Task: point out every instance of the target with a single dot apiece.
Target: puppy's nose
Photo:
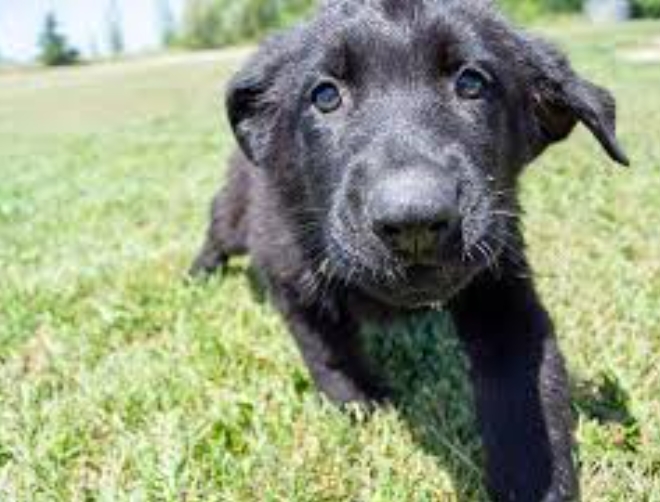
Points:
(415, 216)
(418, 239)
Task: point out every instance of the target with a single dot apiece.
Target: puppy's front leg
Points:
(521, 391)
(329, 344)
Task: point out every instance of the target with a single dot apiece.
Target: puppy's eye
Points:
(472, 84)
(326, 97)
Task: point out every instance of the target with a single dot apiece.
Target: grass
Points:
(120, 383)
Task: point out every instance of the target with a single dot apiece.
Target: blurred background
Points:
(59, 32)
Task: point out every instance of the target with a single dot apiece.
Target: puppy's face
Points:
(399, 130)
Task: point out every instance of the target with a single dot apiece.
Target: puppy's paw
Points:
(357, 399)
(205, 266)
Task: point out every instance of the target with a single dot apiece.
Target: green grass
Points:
(119, 382)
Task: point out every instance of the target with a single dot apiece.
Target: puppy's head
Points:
(396, 131)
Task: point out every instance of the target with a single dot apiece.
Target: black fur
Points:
(306, 195)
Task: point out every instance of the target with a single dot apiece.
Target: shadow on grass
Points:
(423, 362)
(604, 401)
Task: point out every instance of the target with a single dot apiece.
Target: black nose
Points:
(415, 216)
(417, 239)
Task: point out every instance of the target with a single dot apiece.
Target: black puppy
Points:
(381, 146)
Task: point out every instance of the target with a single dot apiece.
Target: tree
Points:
(202, 24)
(214, 23)
(55, 50)
(115, 33)
(167, 23)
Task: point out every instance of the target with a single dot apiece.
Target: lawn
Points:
(119, 381)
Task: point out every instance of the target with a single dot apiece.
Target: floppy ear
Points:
(251, 101)
(561, 99)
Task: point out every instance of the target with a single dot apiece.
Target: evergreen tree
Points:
(55, 50)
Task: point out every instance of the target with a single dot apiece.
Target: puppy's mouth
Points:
(423, 286)
(411, 284)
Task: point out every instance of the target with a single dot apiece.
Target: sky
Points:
(84, 22)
